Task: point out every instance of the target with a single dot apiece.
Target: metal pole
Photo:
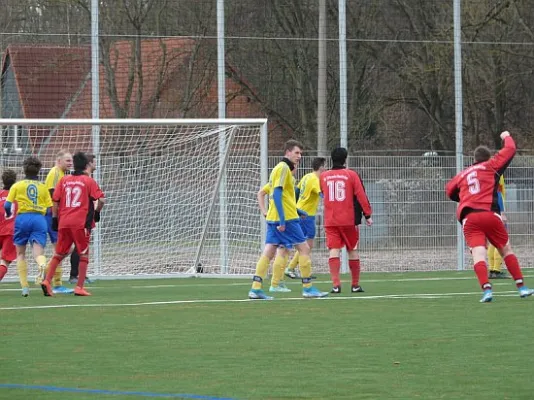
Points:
(221, 81)
(95, 114)
(322, 137)
(264, 171)
(343, 97)
(458, 97)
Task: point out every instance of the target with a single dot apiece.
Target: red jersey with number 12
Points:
(475, 188)
(7, 225)
(75, 193)
(341, 188)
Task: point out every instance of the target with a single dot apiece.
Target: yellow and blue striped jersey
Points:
(310, 190)
(281, 176)
(31, 195)
(54, 176)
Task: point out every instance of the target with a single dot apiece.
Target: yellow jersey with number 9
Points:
(281, 176)
(31, 195)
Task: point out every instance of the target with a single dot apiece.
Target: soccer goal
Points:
(181, 194)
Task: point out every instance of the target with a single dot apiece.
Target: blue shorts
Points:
(291, 236)
(308, 227)
(30, 227)
(51, 233)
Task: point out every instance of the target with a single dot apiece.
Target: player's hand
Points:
(504, 218)
(369, 221)
(505, 134)
(55, 224)
(302, 214)
(97, 216)
(281, 228)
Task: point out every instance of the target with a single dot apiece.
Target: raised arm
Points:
(503, 158)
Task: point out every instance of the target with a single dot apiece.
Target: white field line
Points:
(287, 281)
(207, 301)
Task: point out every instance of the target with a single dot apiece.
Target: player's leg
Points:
(334, 243)
(22, 269)
(495, 262)
(351, 237)
(81, 241)
(294, 234)
(498, 236)
(62, 248)
(57, 282)
(262, 266)
(74, 266)
(280, 261)
(8, 254)
(475, 237)
(290, 271)
(20, 239)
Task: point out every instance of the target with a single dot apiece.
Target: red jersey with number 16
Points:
(342, 188)
(75, 193)
(476, 187)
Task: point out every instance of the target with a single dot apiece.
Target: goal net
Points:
(181, 194)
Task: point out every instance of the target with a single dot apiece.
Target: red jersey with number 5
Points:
(341, 188)
(476, 187)
(75, 194)
(7, 225)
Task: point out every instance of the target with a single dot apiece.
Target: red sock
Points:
(481, 270)
(335, 265)
(52, 266)
(512, 264)
(354, 266)
(82, 270)
(3, 271)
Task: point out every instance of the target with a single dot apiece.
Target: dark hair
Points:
(318, 163)
(482, 153)
(9, 177)
(339, 156)
(31, 166)
(291, 144)
(80, 161)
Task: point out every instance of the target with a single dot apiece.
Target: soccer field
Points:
(409, 336)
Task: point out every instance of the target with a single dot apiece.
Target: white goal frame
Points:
(96, 124)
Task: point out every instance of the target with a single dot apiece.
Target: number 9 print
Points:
(32, 193)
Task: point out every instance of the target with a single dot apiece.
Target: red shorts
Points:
(483, 227)
(9, 251)
(338, 237)
(67, 236)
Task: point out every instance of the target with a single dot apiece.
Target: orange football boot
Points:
(47, 289)
(78, 291)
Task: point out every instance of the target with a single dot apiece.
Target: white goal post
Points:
(181, 193)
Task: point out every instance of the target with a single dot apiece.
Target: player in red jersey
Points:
(475, 188)
(7, 225)
(72, 213)
(344, 202)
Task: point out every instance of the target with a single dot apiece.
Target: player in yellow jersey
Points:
(33, 200)
(494, 258)
(283, 227)
(63, 164)
(309, 195)
(281, 259)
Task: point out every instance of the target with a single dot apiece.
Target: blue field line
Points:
(110, 392)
